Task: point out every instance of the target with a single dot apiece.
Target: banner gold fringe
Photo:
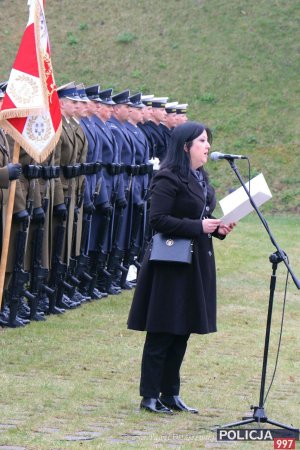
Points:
(39, 157)
(21, 113)
(40, 57)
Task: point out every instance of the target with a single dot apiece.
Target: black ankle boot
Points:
(175, 402)
(154, 405)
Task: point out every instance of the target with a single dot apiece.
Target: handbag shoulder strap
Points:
(200, 178)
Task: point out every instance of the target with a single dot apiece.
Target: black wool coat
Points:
(178, 298)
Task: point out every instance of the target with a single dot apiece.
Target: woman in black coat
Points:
(171, 301)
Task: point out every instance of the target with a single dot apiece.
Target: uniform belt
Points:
(132, 169)
(49, 172)
(114, 168)
(146, 169)
(71, 171)
(90, 168)
(31, 171)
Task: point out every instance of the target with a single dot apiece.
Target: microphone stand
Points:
(259, 414)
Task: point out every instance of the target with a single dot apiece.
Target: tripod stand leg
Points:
(259, 416)
(281, 425)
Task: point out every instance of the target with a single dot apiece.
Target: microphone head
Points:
(215, 156)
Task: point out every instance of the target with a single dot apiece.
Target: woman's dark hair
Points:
(177, 158)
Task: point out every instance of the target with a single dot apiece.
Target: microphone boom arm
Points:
(263, 221)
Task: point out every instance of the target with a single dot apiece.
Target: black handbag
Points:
(171, 249)
(165, 248)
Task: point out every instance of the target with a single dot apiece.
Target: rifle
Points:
(99, 257)
(20, 277)
(73, 270)
(148, 232)
(83, 260)
(78, 265)
(116, 255)
(39, 274)
(131, 254)
(71, 263)
(58, 271)
(106, 263)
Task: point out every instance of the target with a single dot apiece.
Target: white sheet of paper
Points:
(237, 205)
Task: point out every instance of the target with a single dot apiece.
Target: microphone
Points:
(217, 155)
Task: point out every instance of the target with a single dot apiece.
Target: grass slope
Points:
(235, 62)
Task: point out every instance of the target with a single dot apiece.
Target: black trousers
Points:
(162, 357)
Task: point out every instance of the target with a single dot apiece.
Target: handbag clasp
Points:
(169, 242)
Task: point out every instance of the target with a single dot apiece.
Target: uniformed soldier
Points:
(96, 195)
(147, 111)
(146, 117)
(181, 111)
(94, 154)
(8, 171)
(65, 155)
(79, 258)
(123, 212)
(82, 148)
(141, 178)
(152, 127)
(26, 202)
(169, 121)
(103, 218)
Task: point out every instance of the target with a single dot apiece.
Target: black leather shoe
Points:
(67, 303)
(96, 294)
(21, 319)
(114, 291)
(127, 286)
(78, 297)
(3, 322)
(43, 304)
(103, 293)
(39, 317)
(154, 405)
(23, 310)
(55, 310)
(175, 402)
(15, 323)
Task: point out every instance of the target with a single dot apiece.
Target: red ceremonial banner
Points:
(30, 111)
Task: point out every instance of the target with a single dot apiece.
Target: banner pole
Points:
(8, 220)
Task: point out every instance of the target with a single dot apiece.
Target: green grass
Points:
(235, 62)
(76, 376)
